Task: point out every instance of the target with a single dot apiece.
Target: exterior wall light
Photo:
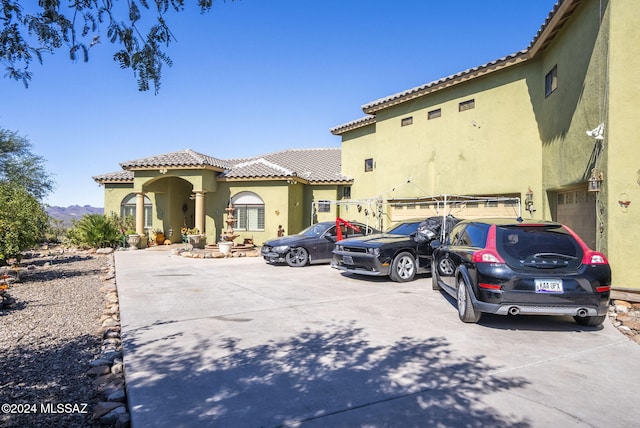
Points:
(528, 202)
(595, 181)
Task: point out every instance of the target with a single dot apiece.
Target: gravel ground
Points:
(48, 338)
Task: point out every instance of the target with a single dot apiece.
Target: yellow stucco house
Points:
(289, 189)
(552, 125)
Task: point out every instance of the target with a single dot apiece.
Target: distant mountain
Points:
(73, 212)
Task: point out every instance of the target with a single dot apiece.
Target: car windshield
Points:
(314, 230)
(540, 242)
(404, 228)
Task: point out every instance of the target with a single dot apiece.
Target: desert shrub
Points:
(95, 230)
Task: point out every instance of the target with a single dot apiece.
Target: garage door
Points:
(577, 209)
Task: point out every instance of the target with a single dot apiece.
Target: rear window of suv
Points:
(518, 243)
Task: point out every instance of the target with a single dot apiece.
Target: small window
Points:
(551, 81)
(467, 105)
(434, 114)
(407, 121)
(324, 206)
(346, 193)
(368, 165)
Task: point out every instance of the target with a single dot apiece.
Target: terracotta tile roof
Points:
(258, 168)
(310, 165)
(183, 158)
(114, 177)
(436, 85)
(313, 165)
(358, 123)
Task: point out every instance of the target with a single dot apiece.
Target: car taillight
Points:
(486, 256)
(490, 253)
(594, 258)
(590, 257)
(603, 289)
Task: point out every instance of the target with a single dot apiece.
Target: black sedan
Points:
(503, 266)
(314, 244)
(401, 252)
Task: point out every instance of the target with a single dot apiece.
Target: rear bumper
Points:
(518, 292)
(529, 309)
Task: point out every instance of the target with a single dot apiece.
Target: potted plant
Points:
(192, 236)
(158, 236)
(133, 239)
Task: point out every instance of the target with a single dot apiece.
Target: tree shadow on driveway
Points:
(333, 376)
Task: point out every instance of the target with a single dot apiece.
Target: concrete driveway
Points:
(239, 343)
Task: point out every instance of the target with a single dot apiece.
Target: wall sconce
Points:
(277, 212)
(162, 171)
(623, 200)
(595, 181)
(528, 202)
(290, 181)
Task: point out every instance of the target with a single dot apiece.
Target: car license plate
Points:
(348, 260)
(549, 286)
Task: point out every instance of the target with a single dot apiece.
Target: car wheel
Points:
(590, 321)
(466, 311)
(446, 267)
(434, 277)
(403, 268)
(297, 257)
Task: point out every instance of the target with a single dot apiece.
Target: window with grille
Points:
(249, 218)
(249, 212)
(128, 209)
(324, 206)
(434, 114)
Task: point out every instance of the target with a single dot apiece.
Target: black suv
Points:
(504, 266)
(401, 252)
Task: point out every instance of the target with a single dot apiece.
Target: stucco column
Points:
(140, 213)
(200, 210)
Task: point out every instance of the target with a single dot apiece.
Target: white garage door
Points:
(577, 209)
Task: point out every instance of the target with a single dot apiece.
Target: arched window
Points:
(249, 212)
(128, 208)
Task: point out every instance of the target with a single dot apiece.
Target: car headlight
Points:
(374, 251)
(281, 248)
(338, 247)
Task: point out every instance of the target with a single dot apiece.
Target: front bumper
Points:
(363, 264)
(272, 257)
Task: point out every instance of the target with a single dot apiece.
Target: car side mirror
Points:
(436, 244)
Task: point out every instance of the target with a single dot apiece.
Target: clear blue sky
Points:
(252, 77)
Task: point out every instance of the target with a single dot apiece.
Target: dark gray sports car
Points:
(314, 244)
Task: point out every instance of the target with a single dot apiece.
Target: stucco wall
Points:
(622, 179)
(491, 149)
